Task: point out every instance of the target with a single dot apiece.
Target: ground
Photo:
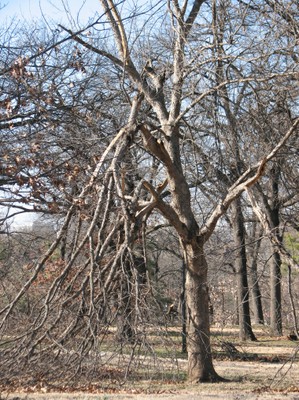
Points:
(268, 369)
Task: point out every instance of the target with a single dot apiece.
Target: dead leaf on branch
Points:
(35, 147)
(19, 70)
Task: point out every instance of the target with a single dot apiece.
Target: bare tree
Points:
(166, 148)
(111, 204)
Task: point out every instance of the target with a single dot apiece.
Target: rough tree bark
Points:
(183, 308)
(200, 366)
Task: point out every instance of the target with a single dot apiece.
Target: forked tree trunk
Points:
(200, 365)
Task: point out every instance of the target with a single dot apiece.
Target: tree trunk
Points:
(275, 273)
(256, 296)
(245, 331)
(200, 365)
(275, 295)
(183, 309)
(293, 308)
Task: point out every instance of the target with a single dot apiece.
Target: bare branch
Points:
(267, 229)
(243, 183)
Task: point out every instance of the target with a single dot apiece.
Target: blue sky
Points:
(57, 10)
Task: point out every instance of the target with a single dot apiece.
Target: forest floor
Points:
(266, 369)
